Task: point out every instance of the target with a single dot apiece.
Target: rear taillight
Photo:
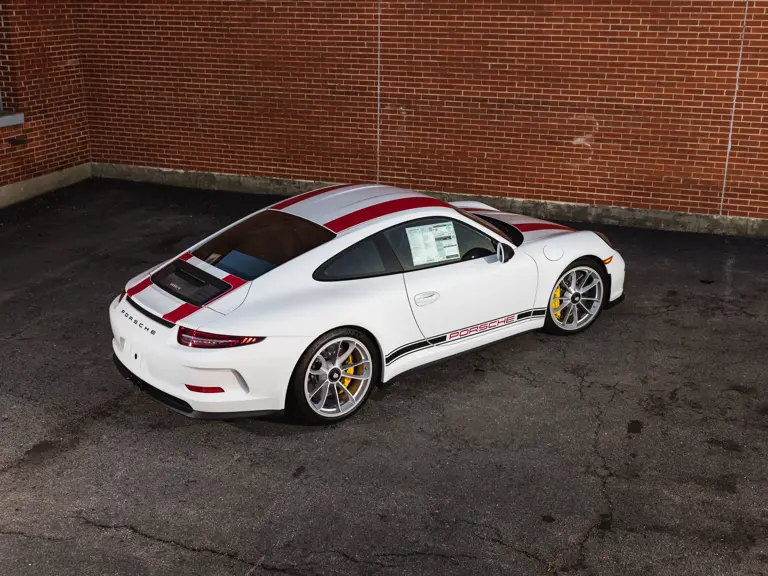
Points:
(198, 339)
(122, 295)
(204, 389)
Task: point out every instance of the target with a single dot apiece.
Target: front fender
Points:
(573, 246)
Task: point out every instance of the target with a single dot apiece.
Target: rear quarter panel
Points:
(288, 302)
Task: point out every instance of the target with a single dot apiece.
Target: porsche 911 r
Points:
(313, 301)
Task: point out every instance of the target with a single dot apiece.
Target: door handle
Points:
(425, 298)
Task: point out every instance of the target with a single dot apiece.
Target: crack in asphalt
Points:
(605, 518)
(291, 570)
(197, 549)
(452, 557)
(497, 538)
(580, 373)
(354, 559)
(298, 569)
(21, 533)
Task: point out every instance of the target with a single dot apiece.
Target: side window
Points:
(366, 259)
(437, 241)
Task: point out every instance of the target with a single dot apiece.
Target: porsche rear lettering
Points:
(137, 322)
(478, 328)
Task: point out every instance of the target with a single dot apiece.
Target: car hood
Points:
(530, 228)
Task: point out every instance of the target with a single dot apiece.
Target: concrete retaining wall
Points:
(657, 219)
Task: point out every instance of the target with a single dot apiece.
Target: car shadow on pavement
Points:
(276, 425)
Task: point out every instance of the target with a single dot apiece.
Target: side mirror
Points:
(504, 252)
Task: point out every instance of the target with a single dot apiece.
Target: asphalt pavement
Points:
(637, 447)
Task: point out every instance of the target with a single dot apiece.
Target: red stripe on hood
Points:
(136, 288)
(301, 197)
(535, 226)
(382, 209)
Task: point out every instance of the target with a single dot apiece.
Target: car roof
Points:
(342, 207)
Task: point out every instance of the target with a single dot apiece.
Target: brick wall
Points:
(273, 88)
(7, 86)
(747, 192)
(622, 102)
(40, 76)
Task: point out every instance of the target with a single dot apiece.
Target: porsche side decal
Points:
(464, 333)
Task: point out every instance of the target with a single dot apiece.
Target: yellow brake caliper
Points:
(556, 301)
(347, 381)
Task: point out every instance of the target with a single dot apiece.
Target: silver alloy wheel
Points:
(338, 377)
(579, 298)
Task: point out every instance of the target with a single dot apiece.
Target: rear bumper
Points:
(254, 378)
(179, 405)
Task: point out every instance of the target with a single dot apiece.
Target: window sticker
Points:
(432, 243)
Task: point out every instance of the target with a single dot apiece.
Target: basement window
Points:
(8, 118)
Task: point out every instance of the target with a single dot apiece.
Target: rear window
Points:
(262, 242)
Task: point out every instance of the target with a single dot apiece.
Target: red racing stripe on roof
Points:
(135, 289)
(382, 209)
(301, 197)
(181, 312)
(186, 256)
(535, 226)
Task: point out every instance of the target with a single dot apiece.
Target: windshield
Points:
(261, 243)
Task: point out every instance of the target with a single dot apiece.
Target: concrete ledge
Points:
(656, 219)
(18, 191)
(11, 119)
(204, 180)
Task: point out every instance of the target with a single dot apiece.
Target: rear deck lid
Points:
(190, 283)
(214, 279)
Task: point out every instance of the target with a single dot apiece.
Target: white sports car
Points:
(311, 302)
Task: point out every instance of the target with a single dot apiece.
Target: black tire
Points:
(550, 325)
(297, 402)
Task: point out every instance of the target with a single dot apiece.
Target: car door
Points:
(456, 286)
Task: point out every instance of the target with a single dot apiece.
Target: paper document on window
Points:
(433, 243)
